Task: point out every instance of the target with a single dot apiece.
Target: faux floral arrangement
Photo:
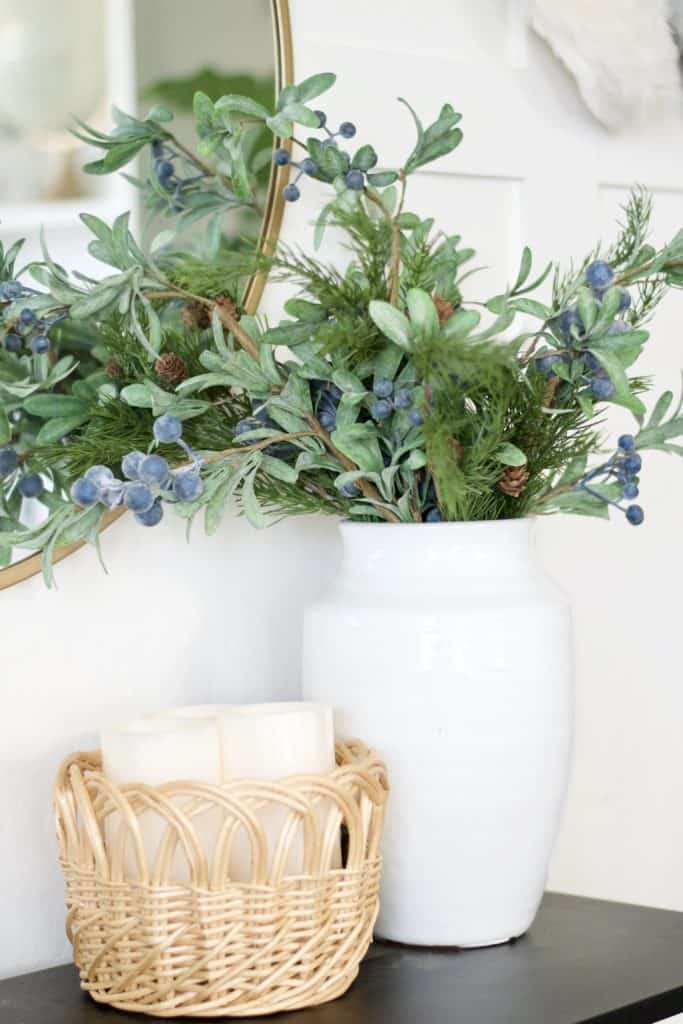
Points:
(399, 398)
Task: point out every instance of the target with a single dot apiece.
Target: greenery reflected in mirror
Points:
(54, 370)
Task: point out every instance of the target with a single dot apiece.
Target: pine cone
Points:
(195, 315)
(170, 368)
(513, 481)
(112, 369)
(444, 308)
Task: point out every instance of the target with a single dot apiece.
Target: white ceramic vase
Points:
(446, 648)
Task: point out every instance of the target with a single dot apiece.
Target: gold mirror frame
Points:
(30, 566)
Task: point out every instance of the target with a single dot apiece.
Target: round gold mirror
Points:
(135, 55)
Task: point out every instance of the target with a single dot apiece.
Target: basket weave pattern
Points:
(212, 947)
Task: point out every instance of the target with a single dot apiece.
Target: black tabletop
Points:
(583, 962)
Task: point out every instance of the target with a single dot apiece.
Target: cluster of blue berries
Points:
(30, 485)
(623, 468)
(387, 399)
(30, 330)
(308, 166)
(354, 176)
(167, 178)
(149, 479)
(599, 277)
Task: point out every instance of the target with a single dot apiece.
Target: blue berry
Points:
(355, 180)
(84, 492)
(635, 515)
(13, 342)
(27, 317)
(328, 419)
(130, 464)
(10, 290)
(403, 399)
(381, 409)
(101, 476)
(347, 130)
(568, 318)
(632, 464)
(599, 275)
(630, 491)
(590, 362)
(112, 496)
(322, 118)
(281, 157)
(31, 486)
(138, 497)
(8, 462)
(432, 515)
(308, 166)
(291, 193)
(152, 516)
(546, 364)
(163, 169)
(350, 490)
(153, 469)
(624, 300)
(168, 429)
(40, 344)
(244, 426)
(627, 442)
(383, 387)
(157, 149)
(416, 418)
(602, 387)
(187, 485)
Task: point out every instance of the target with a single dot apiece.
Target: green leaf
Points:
(588, 308)
(612, 365)
(365, 158)
(5, 428)
(662, 406)
(392, 323)
(358, 442)
(280, 126)
(332, 162)
(315, 86)
(461, 323)
(382, 178)
(47, 406)
(55, 429)
(310, 312)
(279, 469)
(511, 455)
(437, 140)
(137, 395)
(423, 315)
(241, 105)
(524, 268)
(531, 307)
(302, 115)
(159, 113)
(250, 504)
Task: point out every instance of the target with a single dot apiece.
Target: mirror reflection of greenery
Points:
(398, 401)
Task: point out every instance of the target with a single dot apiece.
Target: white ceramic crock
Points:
(446, 648)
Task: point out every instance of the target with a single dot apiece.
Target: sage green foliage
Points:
(474, 405)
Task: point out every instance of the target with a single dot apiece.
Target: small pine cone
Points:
(195, 315)
(112, 369)
(513, 481)
(444, 308)
(170, 368)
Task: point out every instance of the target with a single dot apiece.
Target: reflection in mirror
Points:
(62, 67)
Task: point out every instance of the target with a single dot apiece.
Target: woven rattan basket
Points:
(208, 946)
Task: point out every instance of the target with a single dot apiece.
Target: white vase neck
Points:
(438, 551)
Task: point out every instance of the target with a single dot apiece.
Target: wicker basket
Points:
(211, 947)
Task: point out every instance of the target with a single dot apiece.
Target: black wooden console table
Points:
(583, 962)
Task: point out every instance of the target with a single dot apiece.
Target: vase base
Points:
(443, 948)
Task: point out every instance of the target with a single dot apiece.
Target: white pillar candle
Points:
(154, 751)
(270, 742)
